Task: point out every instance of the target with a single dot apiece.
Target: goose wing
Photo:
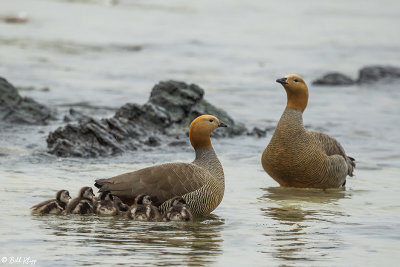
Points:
(332, 147)
(41, 204)
(161, 182)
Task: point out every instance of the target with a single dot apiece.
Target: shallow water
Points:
(96, 57)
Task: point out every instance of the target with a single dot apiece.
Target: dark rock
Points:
(75, 115)
(17, 109)
(176, 97)
(333, 78)
(167, 115)
(257, 132)
(179, 143)
(367, 74)
(152, 141)
(91, 138)
(375, 73)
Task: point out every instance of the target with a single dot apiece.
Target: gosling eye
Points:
(211, 120)
(295, 80)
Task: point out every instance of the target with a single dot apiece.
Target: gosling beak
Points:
(69, 197)
(221, 124)
(282, 81)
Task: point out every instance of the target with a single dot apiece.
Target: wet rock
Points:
(334, 78)
(376, 73)
(258, 132)
(152, 141)
(179, 143)
(17, 109)
(167, 115)
(75, 115)
(91, 138)
(367, 74)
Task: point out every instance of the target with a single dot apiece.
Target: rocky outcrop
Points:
(164, 119)
(258, 132)
(376, 73)
(369, 74)
(75, 115)
(17, 109)
(333, 78)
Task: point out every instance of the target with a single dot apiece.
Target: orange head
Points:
(200, 130)
(296, 90)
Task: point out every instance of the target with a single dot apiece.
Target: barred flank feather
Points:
(207, 197)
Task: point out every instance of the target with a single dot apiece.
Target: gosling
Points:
(178, 211)
(143, 209)
(105, 204)
(83, 204)
(53, 206)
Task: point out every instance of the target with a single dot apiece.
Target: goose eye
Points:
(211, 120)
(295, 80)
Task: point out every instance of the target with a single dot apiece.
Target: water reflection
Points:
(300, 228)
(141, 243)
(300, 194)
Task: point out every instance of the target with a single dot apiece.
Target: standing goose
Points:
(200, 183)
(297, 157)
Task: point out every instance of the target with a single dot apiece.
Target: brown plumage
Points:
(178, 211)
(298, 157)
(143, 209)
(83, 204)
(105, 205)
(201, 183)
(121, 206)
(53, 206)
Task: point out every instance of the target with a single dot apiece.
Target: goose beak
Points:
(221, 124)
(282, 81)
